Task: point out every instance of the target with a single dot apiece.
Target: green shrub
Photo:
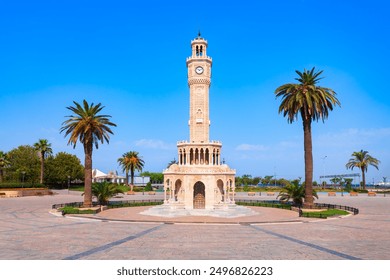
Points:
(361, 191)
(72, 210)
(148, 187)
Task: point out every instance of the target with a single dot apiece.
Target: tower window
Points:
(199, 50)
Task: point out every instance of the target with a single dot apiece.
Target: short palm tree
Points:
(4, 163)
(104, 191)
(174, 161)
(44, 149)
(90, 128)
(362, 160)
(312, 103)
(131, 162)
(295, 192)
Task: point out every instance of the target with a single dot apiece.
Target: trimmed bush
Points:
(72, 210)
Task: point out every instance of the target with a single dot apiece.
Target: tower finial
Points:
(199, 33)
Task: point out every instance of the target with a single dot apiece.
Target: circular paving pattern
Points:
(29, 231)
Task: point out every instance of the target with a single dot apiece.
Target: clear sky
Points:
(130, 56)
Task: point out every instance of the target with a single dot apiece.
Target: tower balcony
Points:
(185, 142)
(199, 153)
(204, 57)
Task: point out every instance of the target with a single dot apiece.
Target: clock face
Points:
(199, 70)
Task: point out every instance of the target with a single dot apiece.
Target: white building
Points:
(112, 177)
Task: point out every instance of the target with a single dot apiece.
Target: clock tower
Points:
(199, 180)
(199, 78)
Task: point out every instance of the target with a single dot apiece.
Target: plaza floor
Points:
(29, 231)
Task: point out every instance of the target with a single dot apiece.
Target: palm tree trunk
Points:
(127, 177)
(131, 179)
(363, 179)
(42, 167)
(308, 148)
(88, 175)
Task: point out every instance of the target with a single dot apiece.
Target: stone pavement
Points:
(29, 231)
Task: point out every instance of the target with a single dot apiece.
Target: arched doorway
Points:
(178, 191)
(199, 196)
(221, 192)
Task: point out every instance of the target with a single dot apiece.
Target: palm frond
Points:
(307, 98)
(86, 126)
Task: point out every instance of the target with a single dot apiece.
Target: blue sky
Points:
(130, 56)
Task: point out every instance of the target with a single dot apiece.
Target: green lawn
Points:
(325, 214)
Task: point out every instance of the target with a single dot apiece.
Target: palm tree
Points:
(174, 161)
(362, 160)
(131, 161)
(293, 191)
(313, 103)
(124, 161)
(90, 128)
(104, 191)
(44, 149)
(4, 163)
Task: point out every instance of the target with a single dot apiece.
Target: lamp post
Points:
(275, 176)
(143, 186)
(68, 183)
(323, 169)
(23, 173)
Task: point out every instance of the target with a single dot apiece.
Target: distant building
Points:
(112, 177)
(384, 184)
(140, 181)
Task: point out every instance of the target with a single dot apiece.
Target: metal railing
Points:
(353, 210)
(289, 205)
(71, 204)
(112, 204)
(264, 203)
(132, 203)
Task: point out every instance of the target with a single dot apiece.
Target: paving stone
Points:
(29, 231)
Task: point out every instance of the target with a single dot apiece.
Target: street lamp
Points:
(143, 186)
(68, 183)
(23, 173)
(274, 176)
(323, 169)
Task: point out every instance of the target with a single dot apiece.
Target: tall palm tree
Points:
(131, 162)
(362, 160)
(44, 149)
(4, 163)
(312, 103)
(90, 128)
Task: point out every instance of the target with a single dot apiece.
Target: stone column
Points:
(234, 189)
(165, 193)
